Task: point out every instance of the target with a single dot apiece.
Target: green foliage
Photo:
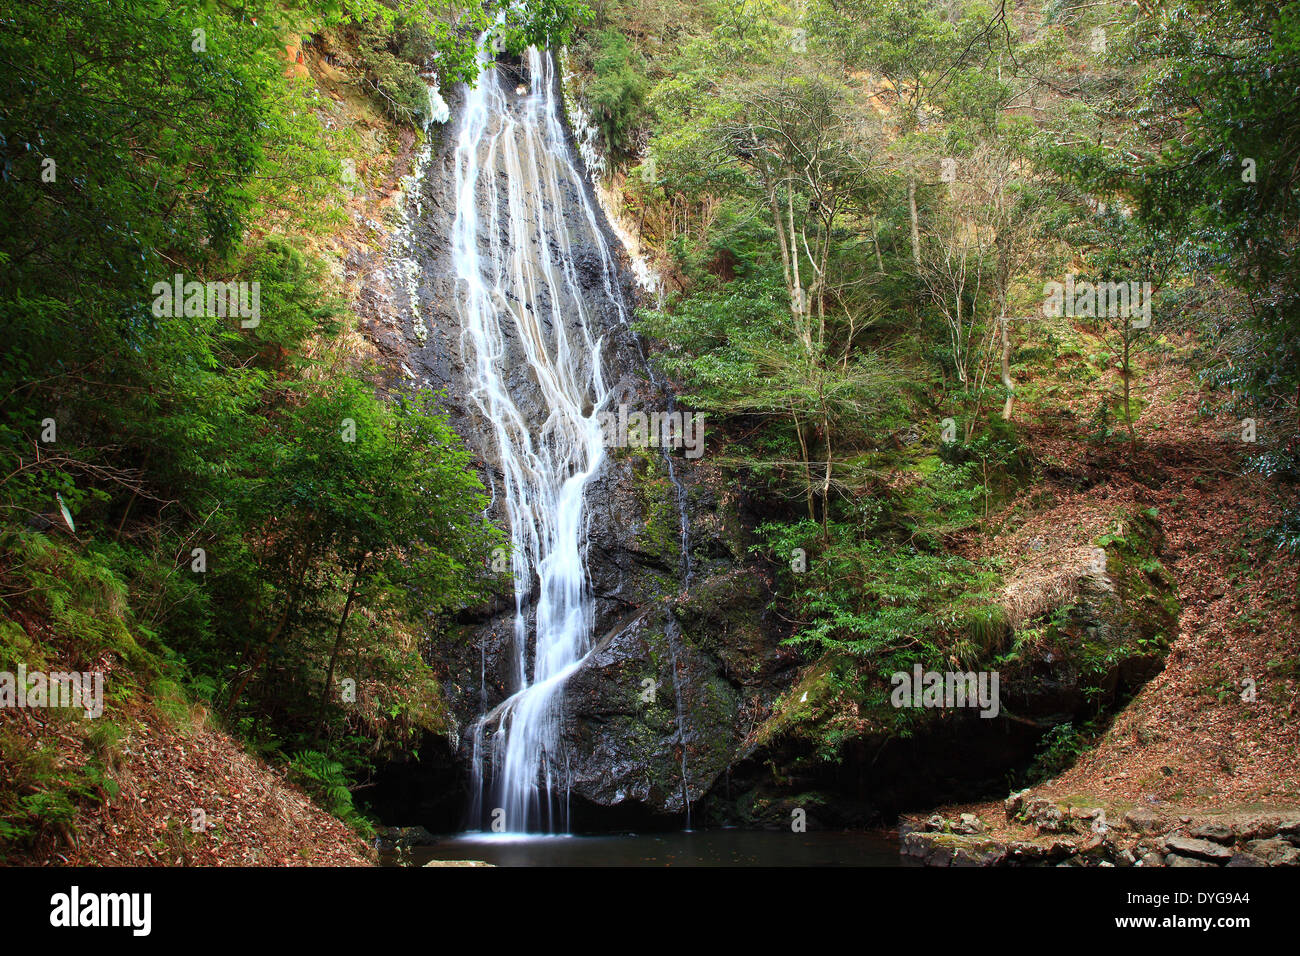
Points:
(247, 516)
(82, 598)
(541, 23)
(1233, 66)
(805, 325)
(36, 793)
(881, 600)
(401, 37)
(1229, 70)
(1196, 137)
(87, 625)
(617, 93)
(1059, 748)
(323, 778)
(392, 60)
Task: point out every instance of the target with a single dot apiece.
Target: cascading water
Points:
(587, 138)
(520, 298)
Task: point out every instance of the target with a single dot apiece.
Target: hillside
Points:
(435, 423)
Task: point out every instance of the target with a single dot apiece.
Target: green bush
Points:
(617, 92)
(877, 599)
(392, 63)
(323, 778)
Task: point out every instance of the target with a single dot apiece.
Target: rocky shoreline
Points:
(1040, 832)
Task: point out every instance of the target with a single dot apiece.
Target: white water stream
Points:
(529, 327)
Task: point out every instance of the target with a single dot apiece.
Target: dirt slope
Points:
(162, 775)
(1193, 740)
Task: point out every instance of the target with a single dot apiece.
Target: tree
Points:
(1221, 169)
(918, 52)
(985, 237)
(351, 489)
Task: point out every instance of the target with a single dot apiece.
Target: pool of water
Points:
(688, 848)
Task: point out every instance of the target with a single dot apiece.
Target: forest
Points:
(988, 314)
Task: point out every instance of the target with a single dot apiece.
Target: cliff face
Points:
(688, 701)
(688, 684)
(657, 714)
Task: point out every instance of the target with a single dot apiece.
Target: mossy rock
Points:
(1115, 634)
(649, 721)
(1076, 662)
(660, 533)
(723, 616)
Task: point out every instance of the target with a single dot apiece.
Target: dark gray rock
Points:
(987, 853)
(1200, 849)
(660, 749)
(1216, 832)
(1022, 852)
(1289, 827)
(1047, 817)
(1274, 851)
(934, 849)
(1060, 849)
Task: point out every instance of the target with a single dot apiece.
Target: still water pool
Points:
(689, 848)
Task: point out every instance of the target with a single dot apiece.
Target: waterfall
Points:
(586, 138)
(533, 350)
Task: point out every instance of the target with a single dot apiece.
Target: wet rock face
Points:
(662, 710)
(655, 718)
(649, 720)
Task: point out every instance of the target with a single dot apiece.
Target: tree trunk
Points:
(826, 483)
(799, 300)
(1128, 412)
(338, 644)
(1006, 369)
(916, 226)
(289, 607)
(807, 467)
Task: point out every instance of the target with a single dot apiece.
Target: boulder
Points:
(979, 853)
(1215, 832)
(1062, 849)
(946, 849)
(1289, 827)
(1047, 817)
(1091, 818)
(655, 745)
(1145, 820)
(1186, 846)
(1023, 852)
(1013, 804)
(1274, 852)
(437, 863)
